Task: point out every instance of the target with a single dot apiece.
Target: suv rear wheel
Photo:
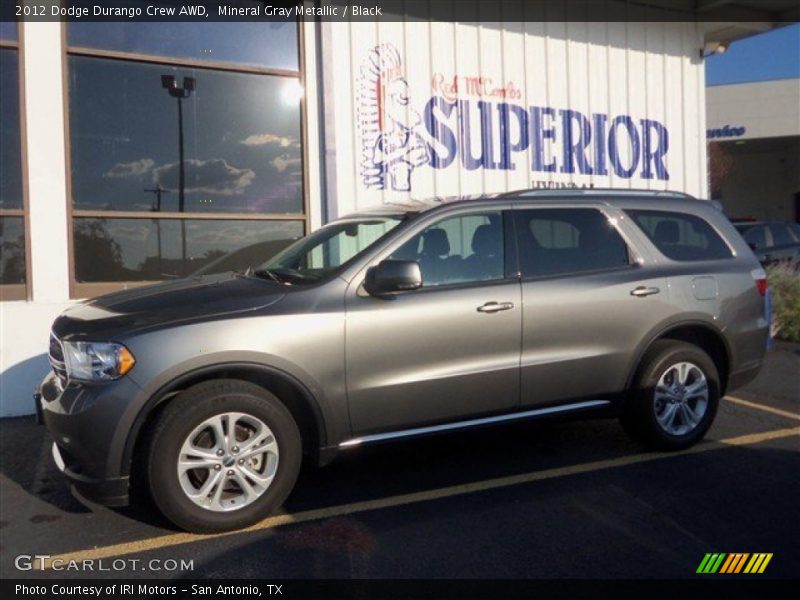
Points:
(675, 397)
(223, 455)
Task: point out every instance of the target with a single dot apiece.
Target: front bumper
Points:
(109, 492)
(89, 425)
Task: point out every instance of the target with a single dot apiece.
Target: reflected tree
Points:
(98, 257)
(12, 261)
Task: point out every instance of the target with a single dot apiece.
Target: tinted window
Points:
(681, 236)
(8, 30)
(780, 234)
(12, 226)
(565, 240)
(152, 249)
(263, 43)
(755, 235)
(11, 162)
(241, 139)
(12, 250)
(460, 249)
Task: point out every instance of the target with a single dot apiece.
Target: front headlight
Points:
(96, 361)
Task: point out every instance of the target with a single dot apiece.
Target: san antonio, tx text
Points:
(60, 589)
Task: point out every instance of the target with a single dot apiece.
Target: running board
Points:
(403, 433)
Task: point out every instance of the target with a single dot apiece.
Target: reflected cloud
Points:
(284, 161)
(212, 176)
(269, 139)
(130, 169)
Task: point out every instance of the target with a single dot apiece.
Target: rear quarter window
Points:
(681, 236)
(781, 235)
(755, 235)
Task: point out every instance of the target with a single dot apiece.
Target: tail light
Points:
(760, 278)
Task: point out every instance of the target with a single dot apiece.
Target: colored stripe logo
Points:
(736, 562)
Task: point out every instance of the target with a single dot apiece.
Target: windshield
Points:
(318, 255)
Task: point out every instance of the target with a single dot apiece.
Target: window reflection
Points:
(8, 31)
(12, 250)
(241, 140)
(458, 250)
(10, 163)
(150, 249)
(264, 44)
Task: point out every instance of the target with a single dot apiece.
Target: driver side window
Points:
(463, 249)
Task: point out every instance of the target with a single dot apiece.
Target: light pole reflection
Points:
(169, 83)
(158, 191)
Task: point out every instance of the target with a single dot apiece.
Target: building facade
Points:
(142, 152)
(754, 148)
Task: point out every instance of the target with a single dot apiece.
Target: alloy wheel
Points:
(228, 461)
(681, 398)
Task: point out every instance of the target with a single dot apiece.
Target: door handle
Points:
(493, 307)
(642, 291)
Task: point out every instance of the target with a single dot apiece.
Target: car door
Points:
(587, 304)
(448, 350)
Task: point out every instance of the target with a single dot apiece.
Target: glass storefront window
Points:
(12, 251)
(12, 207)
(185, 149)
(241, 139)
(271, 44)
(110, 249)
(11, 163)
(8, 31)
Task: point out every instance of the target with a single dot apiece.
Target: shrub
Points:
(784, 283)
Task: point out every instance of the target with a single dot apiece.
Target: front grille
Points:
(56, 357)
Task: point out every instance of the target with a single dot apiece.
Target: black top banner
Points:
(399, 10)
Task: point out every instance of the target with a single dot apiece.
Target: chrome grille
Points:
(56, 358)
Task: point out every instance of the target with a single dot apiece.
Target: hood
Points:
(180, 301)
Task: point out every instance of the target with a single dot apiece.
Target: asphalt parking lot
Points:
(534, 500)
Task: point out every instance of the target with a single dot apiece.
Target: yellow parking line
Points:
(763, 407)
(279, 520)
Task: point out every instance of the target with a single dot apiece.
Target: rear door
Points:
(587, 303)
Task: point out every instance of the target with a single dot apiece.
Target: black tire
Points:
(189, 409)
(639, 413)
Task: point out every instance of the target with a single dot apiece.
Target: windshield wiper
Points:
(266, 274)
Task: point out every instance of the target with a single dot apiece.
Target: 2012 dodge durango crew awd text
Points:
(399, 321)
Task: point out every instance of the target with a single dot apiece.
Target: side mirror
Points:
(390, 276)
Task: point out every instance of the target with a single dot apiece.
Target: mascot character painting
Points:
(391, 146)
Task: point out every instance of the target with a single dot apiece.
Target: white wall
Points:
(25, 326)
(644, 70)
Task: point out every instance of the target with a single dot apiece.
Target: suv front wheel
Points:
(675, 397)
(223, 455)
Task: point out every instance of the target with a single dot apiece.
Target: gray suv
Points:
(402, 321)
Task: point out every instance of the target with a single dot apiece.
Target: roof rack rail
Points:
(595, 192)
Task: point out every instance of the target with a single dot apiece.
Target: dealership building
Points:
(753, 127)
(141, 152)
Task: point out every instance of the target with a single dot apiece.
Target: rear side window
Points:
(559, 241)
(780, 234)
(681, 236)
